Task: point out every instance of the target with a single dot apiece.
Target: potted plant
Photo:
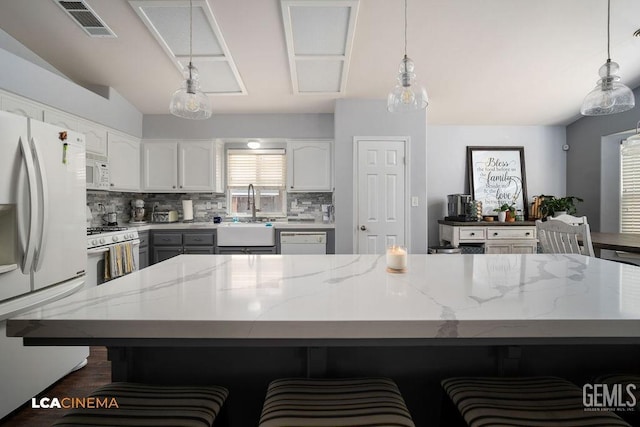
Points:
(554, 206)
(503, 210)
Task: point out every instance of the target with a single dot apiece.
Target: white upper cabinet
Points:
(182, 166)
(124, 162)
(160, 166)
(21, 107)
(309, 166)
(197, 168)
(63, 120)
(95, 137)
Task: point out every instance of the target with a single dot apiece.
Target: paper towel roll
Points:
(187, 210)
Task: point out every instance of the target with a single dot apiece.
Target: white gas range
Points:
(100, 240)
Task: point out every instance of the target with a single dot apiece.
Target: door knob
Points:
(363, 228)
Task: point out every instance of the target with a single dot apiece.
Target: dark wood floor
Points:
(96, 373)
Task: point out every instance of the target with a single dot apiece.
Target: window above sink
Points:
(266, 170)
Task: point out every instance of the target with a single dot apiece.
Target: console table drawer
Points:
(467, 233)
(511, 233)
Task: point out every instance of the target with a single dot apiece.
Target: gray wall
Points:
(585, 175)
(447, 165)
(240, 126)
(25, 78)
(356, 117)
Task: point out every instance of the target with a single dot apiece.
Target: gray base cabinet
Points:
(170, 243)
(255, 250)
(143, 250)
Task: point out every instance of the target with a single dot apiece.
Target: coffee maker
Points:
(457, 207)
(137, 211)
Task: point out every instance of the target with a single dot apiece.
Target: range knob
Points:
(114, 238)
(102, 240)
(94, 242)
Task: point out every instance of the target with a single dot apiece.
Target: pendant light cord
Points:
(190, 37)
(608, 30)
(405, 28)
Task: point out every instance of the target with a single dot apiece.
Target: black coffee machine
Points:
(457, 208)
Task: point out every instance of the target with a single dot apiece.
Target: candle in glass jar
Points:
(396, 257)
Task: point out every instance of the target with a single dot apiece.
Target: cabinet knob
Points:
(181, 186)
(112, 184)
(173, 186)
(528, 233)
(363, 228)
(473, 234)
(495, 234)
(292, 186)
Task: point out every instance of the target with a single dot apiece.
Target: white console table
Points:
(498, 237)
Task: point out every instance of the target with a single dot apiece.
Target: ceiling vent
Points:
(86, 18)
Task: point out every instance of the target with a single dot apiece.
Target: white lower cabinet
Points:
(512, 238)
(124, 162)
(182, 166)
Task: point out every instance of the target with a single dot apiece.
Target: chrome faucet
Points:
(251, 205)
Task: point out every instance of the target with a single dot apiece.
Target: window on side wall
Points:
(630, 186)
(266, 170)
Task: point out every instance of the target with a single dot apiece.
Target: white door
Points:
(381, 195)
(61, 243)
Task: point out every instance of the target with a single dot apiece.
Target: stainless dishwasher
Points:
(303, 242)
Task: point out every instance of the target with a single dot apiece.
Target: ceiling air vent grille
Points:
(86, 18)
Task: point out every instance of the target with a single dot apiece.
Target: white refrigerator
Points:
(42, 246)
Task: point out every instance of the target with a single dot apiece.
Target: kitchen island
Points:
(242, 320)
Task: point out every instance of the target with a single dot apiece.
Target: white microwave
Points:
(97, 175)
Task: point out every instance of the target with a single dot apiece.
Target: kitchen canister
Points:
(187, 210)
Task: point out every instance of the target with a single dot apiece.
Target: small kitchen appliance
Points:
(137, 211)
(457, 208)
(165, 216)
(110, 218)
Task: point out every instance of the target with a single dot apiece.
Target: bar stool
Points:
(530, 401)
(146, 405)
(308, 402)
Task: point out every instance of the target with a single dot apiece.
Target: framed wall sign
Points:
(497, 176)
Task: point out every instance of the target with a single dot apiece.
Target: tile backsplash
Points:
(303, 206)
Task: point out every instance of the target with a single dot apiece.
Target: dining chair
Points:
(569, 219)
(559, 237)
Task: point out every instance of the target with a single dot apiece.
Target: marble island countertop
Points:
(351, 297)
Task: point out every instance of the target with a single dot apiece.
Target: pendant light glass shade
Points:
(408, 94)
(189, 102)
(609, 96)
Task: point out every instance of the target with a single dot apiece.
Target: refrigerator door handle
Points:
(43, 211)
(28, 232)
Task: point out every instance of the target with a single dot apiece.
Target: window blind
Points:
(262, 168)
(630, 186)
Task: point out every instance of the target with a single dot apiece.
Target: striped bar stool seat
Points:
(533, 401)
(304, 402)
(149, 405)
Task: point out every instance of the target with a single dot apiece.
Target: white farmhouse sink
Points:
(245, 234)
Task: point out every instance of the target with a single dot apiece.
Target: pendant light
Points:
(408, 94)
(609, 96)
(189, 101)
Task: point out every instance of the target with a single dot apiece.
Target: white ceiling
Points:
(490, 62)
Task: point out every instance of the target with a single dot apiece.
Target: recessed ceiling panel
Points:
(168, 22)
(220, 78)
(319, 76)
(319, 37)
(319, 30)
